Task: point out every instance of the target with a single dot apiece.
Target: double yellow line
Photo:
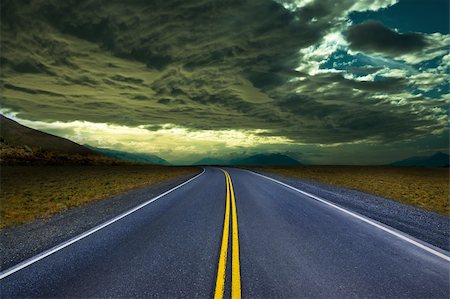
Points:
(235, 267)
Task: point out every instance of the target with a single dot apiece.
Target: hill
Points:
(16, 135)
(254, 160)
(211, 161)
(436, 160)
(266, 160)
(131, 157)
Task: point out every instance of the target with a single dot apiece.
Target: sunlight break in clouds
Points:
(297, 76)
(169, 140)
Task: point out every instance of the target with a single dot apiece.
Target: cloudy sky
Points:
(325, 81)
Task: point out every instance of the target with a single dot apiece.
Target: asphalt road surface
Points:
(241, 234)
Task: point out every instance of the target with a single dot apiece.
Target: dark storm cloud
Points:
(373, 36)
(32, 91)
(201, 65)
(253, 36)
(127, 79)
(141, 97)
(340, 117)
(27, 67)
(80, 80)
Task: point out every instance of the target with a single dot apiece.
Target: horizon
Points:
(236, 156)
(231, 159)
(357, 83)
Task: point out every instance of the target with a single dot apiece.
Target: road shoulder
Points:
(24, 241)
(421, 224)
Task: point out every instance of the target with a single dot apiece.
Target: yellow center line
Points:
(220, 281)
(235, 266)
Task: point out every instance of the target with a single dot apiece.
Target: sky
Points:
(323, 81)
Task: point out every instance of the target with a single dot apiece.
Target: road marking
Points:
(50, 251)
(221, 270)
(235, 266)
(362, 218)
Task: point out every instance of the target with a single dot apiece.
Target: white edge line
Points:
(362, 218)
(50, 251)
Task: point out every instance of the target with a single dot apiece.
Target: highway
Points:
(233, 233)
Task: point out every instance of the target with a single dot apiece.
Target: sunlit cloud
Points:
(169, 140)
(265, 76)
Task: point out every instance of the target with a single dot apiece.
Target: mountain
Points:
(14, 134)
(266, 159)
(210, 161)
(131, 157)
(436, 160)
(255, 160)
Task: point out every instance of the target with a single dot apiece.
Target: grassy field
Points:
(427, 188)
(30, 192)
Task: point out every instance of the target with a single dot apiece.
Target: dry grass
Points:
(427, 188)
(30, 192)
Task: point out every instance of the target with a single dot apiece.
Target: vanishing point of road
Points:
(233, 233)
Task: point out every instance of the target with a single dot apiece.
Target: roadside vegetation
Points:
(37, 183)
(30, 192)
(426, 188)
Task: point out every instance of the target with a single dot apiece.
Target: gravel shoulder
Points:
(424, 225)
(24, 241)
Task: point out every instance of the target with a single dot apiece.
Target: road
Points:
(241, 234)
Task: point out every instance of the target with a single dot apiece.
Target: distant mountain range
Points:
(131, 157)
(266, 159)
(14, 134)
(211, 161)
(254, 160)
(436, 160)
